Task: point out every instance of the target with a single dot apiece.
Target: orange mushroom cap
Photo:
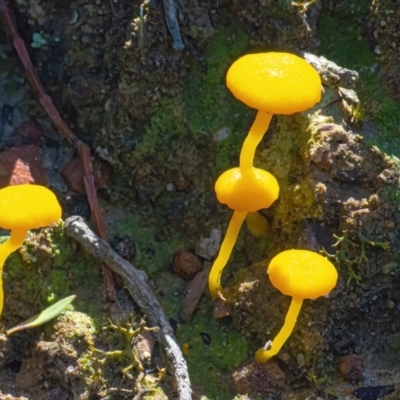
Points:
(27, 207)
(249, 189)
(302, 274)
(277, 83)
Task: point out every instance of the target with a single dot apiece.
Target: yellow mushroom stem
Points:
(256, 133)
(263, 355)
(214, 279)
(17, 237)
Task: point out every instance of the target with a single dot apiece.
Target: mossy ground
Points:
(192, 135)
(210, 363)
(48, 268)
(346, 40)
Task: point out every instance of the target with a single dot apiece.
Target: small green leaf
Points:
(43, 317)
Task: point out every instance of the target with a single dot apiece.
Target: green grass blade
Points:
(43, 317)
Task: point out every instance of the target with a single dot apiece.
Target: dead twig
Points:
(82, 149)
(172, 23)
(136, 283)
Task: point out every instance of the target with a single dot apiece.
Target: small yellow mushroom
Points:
(249, 189)
(301, 274)
(24, 207)
(272, 83)
(185, 349)
(244, 191)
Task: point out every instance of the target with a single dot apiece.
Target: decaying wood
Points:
(136, 283)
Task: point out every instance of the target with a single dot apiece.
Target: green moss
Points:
(210, 366)
(391, 195)
(55, 270)
(75, 325)
(393, 352)
(209, 106)
(164, 128)
(345, 41)
(206, 105)
(155, 249)
(296, 203)
(387, 119)
(58, 285)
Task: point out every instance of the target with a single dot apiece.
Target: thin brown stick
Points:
(66, 132)
(136, 283)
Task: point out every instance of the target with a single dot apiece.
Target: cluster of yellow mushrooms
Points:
(272, 83)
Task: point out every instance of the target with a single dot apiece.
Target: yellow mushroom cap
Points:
(28, 207)
(302, 274)
(249, 189)
(277, 83)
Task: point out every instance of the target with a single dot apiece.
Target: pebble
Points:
(221, 308)
(352, 367)
(85, 39)
(144, 344)
(73, 173)
(186, 264)
(209, 247)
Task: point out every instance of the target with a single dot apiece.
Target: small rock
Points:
(209, 247)
(170, 187)
(181, 184)
(221, 308)
(258, 380)
(352, 367)
(206, 338)
(186, 264)
(222, 134)
(144, 346)
(194, 291)
(125, 246)
(73, 174)
(22, 164)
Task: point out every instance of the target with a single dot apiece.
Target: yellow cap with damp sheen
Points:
(275, 82)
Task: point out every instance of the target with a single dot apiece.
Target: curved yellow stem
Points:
(214, 279)
(256, 133)
(262, 355)
(15, 241)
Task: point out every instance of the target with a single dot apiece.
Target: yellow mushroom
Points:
(24, 207)
(272, 83)
(301, 274)
(244, 191)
